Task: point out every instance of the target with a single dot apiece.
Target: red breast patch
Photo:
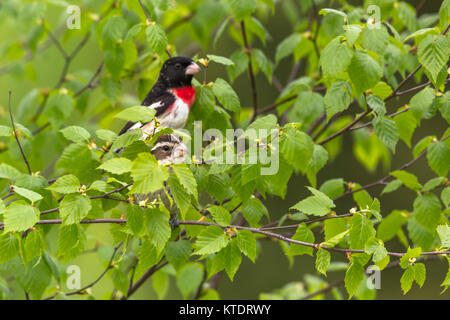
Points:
(187, 94)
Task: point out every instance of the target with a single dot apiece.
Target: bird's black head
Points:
(178, 72)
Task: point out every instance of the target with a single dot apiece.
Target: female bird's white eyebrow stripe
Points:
(161, 144)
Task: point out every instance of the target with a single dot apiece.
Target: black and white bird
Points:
(172, 96)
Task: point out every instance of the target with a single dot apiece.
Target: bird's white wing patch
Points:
(135, 126)
(156, 105)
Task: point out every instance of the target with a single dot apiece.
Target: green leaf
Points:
(390, 225)
(421, 102)
(318, 161)
(226, 95)
(335, 240)
(432, 184)
(20, 216)
(392, 186)
(116, 165)
(422, 145)
(247, 243)
(444, 234)
(323, 259)
(159, 230)
(9, 246)
(210, 240)
(148, 176)
(382, 90)
(333, 188)
(318, 205)
(406, 124)
(113, 31)
(438, 156)
(327, 11)
(135, 219)
(58, 108)
(186, 178)
(287, 46)
(334, 227)
(106, 135)
(376, 248)
(9, 172)
(220, 59)
(407, 279)
(415, 272)
(264, 63)
(408, 179)
(444, 14)
(421, 32)
(427, 211)
(445, 196)
(433, 54)
(5, 131)
(361, 229)
(189, 278)
(386, 130)
(29, 194)
(156, 38)
(65, 184)
(32, 246)
(76, 134)
(111, 89)
(376, 104)
(297, 148)
(242, 8)
(444, 106)
(304, 234)
(148, 257)
(407, 15)
(74, 207)
(137, 113)
(254, 210)
(364, 71)
(178, 252)
(375, 39)
(353, 278)
(337, 97)
(126, 139)
(229, 259)
(335, 58)
(180, 195)
(220, 215)
(240, 59)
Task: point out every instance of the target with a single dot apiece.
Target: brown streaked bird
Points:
(168, 149)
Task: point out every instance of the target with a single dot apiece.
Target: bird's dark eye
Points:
(166, 148)
(178, 66)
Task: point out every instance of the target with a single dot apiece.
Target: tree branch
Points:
(15, 135)
(250, 72)
(93, 283)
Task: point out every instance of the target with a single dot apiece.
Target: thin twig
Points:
(15, 135)
(385, 178)
(93, 283)
(142, 280)
(250, 72)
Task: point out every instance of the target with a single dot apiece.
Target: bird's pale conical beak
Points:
(192, 69)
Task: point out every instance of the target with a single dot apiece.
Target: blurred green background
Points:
(271, 270)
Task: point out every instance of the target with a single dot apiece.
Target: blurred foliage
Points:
(352, 64)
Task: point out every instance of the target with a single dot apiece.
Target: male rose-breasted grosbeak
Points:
(172, 96)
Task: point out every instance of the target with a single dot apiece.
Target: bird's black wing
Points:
(160, 103)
